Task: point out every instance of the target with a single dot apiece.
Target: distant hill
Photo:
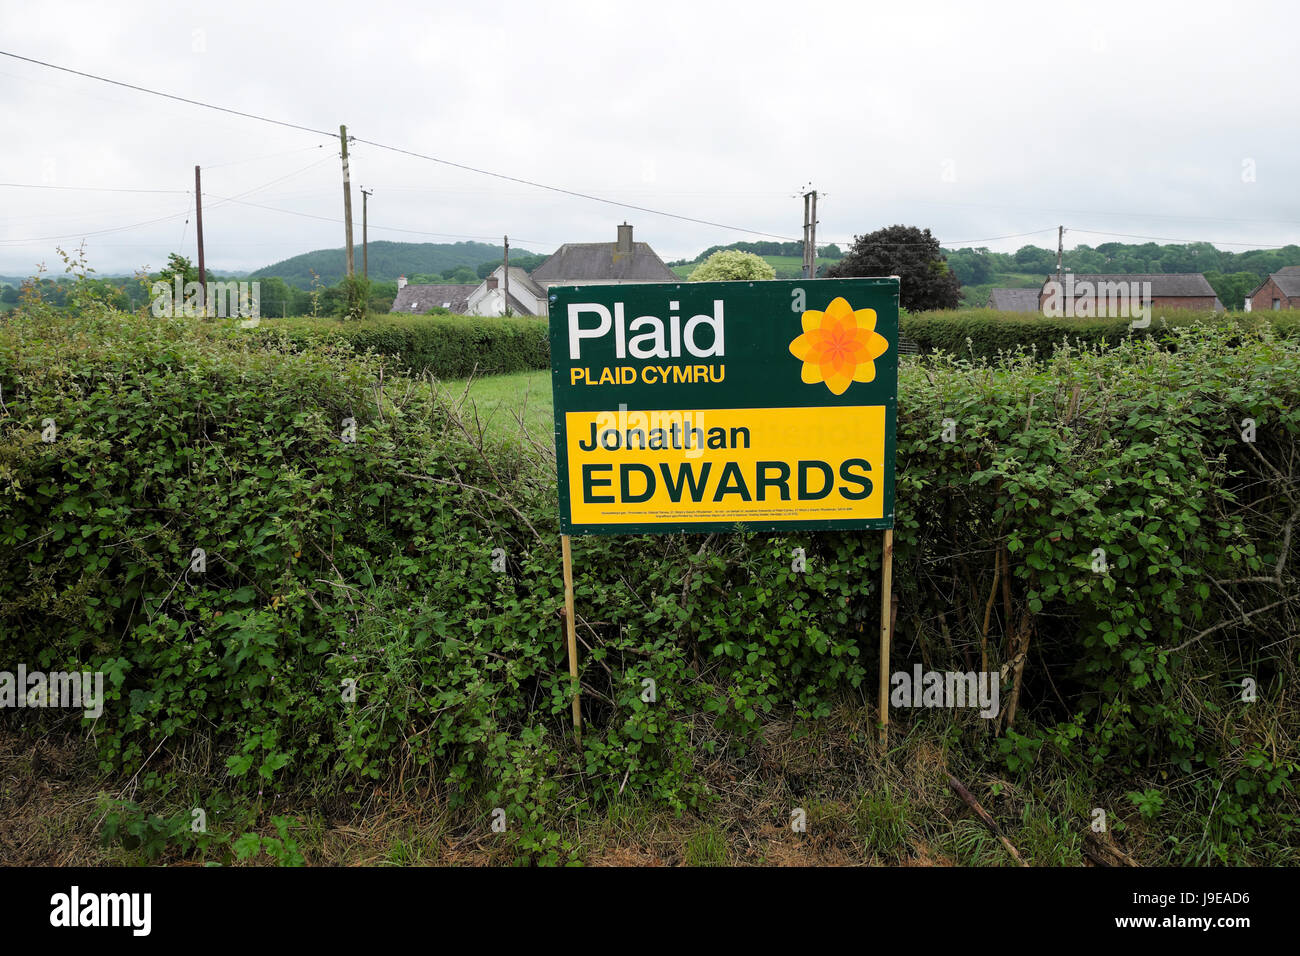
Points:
(388, 260)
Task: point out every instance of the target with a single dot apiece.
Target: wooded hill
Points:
(388, 260)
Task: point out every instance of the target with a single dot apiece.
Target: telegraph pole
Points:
(1060, 249)
(198, 221)
(365, 239)
(812, 239)
(505, 309)
(347, 199)
(810, 234)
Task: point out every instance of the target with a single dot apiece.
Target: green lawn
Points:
(500, 400)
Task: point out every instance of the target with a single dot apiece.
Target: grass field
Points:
(502, 400)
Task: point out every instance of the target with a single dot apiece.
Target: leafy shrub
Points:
(985, 333)
(331, 561)
(732, 265)
(447, 346)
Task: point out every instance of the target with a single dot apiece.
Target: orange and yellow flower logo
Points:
(839, 346)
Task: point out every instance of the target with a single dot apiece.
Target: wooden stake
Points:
(886, 625)
(571, 625)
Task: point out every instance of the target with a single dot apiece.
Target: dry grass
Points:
(861, 808)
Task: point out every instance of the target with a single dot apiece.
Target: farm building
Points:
(1085, 294)
(1013, 300)
(419, 299)
(574, 263)
(1281, 290)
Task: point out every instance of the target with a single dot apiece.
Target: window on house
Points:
(1277, 303)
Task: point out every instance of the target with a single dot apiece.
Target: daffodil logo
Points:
(839, 346)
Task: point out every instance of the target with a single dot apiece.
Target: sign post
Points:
(571, 632)
(726, 406)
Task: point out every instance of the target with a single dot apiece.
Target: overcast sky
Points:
(1171, 121)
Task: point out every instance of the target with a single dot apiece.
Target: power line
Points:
(397, 149)
(150, 222)
(573, 192)
(170, 96)
(258, 159)
(101, 189)
(87, 235)
(946, 245)
(526, 182)
(417, 232)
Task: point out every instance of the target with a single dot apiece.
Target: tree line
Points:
(1232, 274)
(773, 248)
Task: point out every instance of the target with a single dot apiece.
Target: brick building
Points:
(1281, 290)
(1087, 294)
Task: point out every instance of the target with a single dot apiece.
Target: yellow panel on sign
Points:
(722, 465)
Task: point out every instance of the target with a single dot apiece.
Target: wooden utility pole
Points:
(1060, 250)
(812, 238)
(365, 239)
(347, 199)
(810, 234)
(505, 309)
(198, 222)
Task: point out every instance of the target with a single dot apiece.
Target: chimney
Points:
(401, 282)
(492, 282)
(624, 240)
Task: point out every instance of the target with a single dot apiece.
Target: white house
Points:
(574, 263)
(489, 297)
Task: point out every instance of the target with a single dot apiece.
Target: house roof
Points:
(421, 298)
(578, 262)
(519, 279)
(1288, 280)
(1014, 300)
(517, 307)
(1162, 284)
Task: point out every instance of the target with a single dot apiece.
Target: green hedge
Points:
(379, 561)
(991, 332)
(449, 346)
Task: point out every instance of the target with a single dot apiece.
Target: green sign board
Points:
(717, 406)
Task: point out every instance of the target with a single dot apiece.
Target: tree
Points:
(914, 256)
(179, 265)
(731, 264)
(1034, 260)
(276, 297)
(462, 275)
(10, 294)
(1233, 288)
(971, 266)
